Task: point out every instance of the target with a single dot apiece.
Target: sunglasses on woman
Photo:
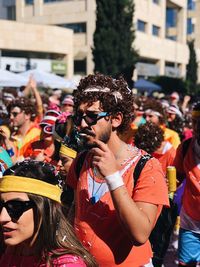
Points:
(89, 118)
(16, 208)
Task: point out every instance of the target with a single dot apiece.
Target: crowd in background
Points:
(44, 127)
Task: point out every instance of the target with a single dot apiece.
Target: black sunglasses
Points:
(15, 113)
(16, 208)
(89, 118)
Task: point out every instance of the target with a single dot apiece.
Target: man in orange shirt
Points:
(114, 217)
(25, 131)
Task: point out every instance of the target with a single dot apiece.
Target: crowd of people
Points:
(84, 177)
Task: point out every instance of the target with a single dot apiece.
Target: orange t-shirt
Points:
(98, 225)
(171, 136)
(21, 145)
(36, 148)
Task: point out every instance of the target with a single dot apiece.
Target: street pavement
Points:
(171, 255)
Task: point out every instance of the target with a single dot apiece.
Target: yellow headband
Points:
(67, 151)
(196, 113)
(11, 183)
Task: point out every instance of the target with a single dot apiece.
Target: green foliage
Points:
(192, 68)
(113, 51)
(170, 84)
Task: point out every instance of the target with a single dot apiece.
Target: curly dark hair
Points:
(113, 94)
(156, 106)
(149, 137)
(26, 105)
(177, 125)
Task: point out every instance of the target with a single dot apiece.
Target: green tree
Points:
(191, 69)
(113, 51)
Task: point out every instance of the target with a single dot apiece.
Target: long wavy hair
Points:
(53, 235)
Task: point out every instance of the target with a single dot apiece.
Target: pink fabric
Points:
(8, 260)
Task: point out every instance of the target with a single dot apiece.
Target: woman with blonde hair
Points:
(34, 229)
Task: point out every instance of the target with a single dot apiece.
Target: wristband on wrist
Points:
(10, 152)
(114, 181)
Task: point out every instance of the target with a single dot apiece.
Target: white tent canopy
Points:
(10, 79)
(45, 79)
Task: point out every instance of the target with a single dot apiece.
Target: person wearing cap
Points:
(188, 166)
(174, 99)
(67, 104)
(155, 113)
(44, 148)
(34, 229)
(55, 96)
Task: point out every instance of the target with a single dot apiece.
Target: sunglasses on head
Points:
(16, 208)
(89, 118)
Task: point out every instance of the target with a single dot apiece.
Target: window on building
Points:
(191, 5)
(171, 17)
(155, 30)
(173, 38)
(76, 27)
(11, 13)
(141, 26)
(29, 2)
(156, 2)
(80, 66)
(190, 26)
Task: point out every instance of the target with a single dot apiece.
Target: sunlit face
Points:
(67, 108)
(152, 118)
(17, 117)
(20, 231)
(171, 116)
(101, 130)
(65, 164)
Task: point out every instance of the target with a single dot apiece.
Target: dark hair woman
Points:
(34, 228)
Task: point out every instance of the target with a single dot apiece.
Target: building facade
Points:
(161, 28)
(24, 46)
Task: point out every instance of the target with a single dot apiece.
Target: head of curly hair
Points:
(156, 105)
(149, 137)
(25, 105)
(114, 95)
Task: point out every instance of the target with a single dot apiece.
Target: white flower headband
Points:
(116, 94)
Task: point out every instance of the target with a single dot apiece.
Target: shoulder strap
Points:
(185, 146)
(139, 166)
(79, 162)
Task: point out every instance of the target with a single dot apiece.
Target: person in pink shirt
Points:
(33, 228)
